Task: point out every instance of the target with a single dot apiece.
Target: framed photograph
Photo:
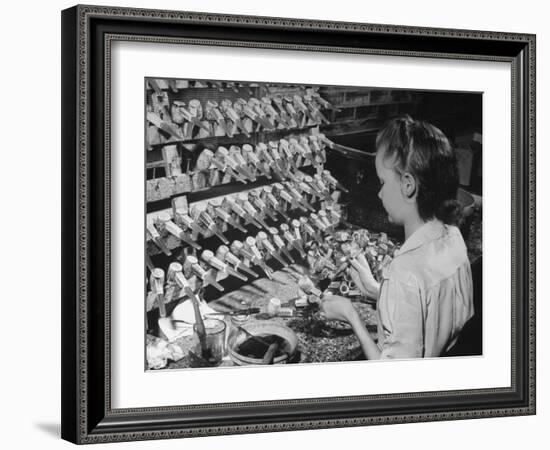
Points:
(281, 224)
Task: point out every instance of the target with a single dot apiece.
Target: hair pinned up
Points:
(425, 152)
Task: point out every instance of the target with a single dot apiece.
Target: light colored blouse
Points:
(426, 294)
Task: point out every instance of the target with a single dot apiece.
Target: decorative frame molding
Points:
(87, 35)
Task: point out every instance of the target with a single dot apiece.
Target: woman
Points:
(426, 294)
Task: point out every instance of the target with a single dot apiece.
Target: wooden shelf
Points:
(161, 191)
(162, 188)
(368, 103)
(239, 136)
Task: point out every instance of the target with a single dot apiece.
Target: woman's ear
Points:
(408, 186)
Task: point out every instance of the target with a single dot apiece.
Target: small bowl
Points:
(260, 328)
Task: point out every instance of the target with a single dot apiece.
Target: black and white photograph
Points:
(293, 224)
(297, 221)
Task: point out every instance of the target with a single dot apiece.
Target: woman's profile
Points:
(425, 295)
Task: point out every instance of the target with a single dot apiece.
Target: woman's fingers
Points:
(336, 307)
(363, 269)
(357, 265)
(358, 281)
(362, 260)
(367, 279)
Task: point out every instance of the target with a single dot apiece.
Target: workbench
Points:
(318, 340)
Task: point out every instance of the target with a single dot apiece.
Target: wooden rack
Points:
(171, 163)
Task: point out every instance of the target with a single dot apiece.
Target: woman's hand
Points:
(338, 308)
(362, 276)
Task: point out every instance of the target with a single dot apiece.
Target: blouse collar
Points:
(431, 230)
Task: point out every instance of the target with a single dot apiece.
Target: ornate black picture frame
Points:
(87, 35)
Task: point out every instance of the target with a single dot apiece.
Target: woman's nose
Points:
(380, 194)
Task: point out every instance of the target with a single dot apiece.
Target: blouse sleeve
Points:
(404, 330)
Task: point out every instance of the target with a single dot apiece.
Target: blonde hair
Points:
(422, 150)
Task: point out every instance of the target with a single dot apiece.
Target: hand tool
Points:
(283, 113)
(324, 219)
(155, 236)
(304, 154)
(235, 153)
(304, 143)
(214, 114)
(328, 177)
(263, 153)
(292, 240)
(280, 244)
(308, 230)
(302, 108)
(178, 107)
(184, 219)
(233, 116)
(250, 157)
(231, 204)
(224, 155)
(224, 254)
(317, 222)
(209, 258)
(317, 148)
(299, 197)
(242, 200)
(238, 248)
(284, 148)
(218, 211)
(256, 106)
(263, 242)
(212, 226)
(308, 287)
(156, 281)
(251, 114)
(206, 277)
(270, 111)
(167, 127)
(322, 187)
(250, 245)
(270, 199)
(314, 109)
(175, 275)
(324, 103)
(282, 192)
(289, 107)
(237, 312)
(165, 222)
(254, 197)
